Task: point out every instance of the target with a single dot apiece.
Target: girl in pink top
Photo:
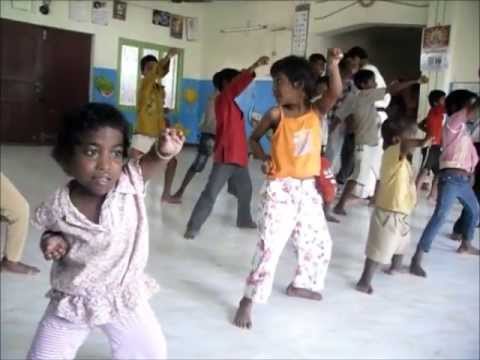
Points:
(96, 231)
(457, 165)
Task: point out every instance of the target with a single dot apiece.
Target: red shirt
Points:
(434, 123)
(325, 183)
(231, 145)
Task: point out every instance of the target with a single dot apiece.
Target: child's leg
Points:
(276, 223)
(57, 338)
(328, 213)
(346, 195)
(403, 238)
(167, 187)
(313, 246)
(448, 191)
(137, 336)
(241, 187)
(471, 213)
(369, 269)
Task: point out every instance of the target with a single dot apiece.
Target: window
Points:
(129, 74)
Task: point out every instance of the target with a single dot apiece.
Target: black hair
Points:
(357, 51)
(89, 117)
(224, 75)
(362, 76)
(395, 126)
(457, 100)
(298, 71)
(316, 57)
(145, 60)
(323, 80)
(435, 96)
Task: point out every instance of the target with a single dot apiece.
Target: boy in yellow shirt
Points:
(151, 115)
(389, 232)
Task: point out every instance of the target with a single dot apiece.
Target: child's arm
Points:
(242, 80)
(406, 146)
(269, 121)
(397, 86)
(167, 146)
(335, 87)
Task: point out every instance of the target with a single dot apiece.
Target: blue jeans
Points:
(452, 186)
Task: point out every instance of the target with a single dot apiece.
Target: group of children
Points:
(96, 226)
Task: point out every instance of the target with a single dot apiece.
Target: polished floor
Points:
(202, 281)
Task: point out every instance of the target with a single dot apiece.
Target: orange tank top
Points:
(296, 147)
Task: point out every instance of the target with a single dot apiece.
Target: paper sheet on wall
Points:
(128, 76)
(25, 5)
(100, 13)
(435, 48)
(300, 29)
(79, 10)
(192, 29)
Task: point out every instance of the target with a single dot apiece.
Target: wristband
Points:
(159, 155)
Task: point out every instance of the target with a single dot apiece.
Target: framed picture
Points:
(119, 10)
(161, 18)
(436, 38)
(176, 26)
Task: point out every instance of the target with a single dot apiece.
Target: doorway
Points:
(43, 72)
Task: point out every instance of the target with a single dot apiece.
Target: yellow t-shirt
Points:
(150, 102)
(397, 191)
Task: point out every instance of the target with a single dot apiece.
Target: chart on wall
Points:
(300, 29)
(435, 48)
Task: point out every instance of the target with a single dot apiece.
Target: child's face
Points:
(441, 101)
(369, 84)
(148, 67)
(97, 162)
(285, 92)
(318, 67)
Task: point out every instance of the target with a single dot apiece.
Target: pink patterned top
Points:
(458, 149)
(102, 276)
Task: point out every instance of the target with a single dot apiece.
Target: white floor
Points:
(202, 280)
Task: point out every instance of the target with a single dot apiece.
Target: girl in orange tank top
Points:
(290, 206)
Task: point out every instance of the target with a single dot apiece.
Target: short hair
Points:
(395, 126)
(224, 75)
(435, 96)
(145, 60)
(457, 100)
(317, 57)
(362, 76)
(357, 51)
(297, 70)
(78, 122)
(322, 80)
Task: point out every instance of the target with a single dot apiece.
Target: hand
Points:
(267, 166)
(170, 142)
(334, 56)
(172, 52)
(423, 79)
(263, 60)
(54, 247)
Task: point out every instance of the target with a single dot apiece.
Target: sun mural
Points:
(190, 95)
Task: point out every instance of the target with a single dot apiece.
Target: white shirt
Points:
(380, 84)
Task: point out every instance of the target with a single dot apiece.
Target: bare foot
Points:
(339, 211)
(331, 218)
(190, 234)
(17, 267)
(367, 289)
(171, 199)
(456, 237)
(417, 270)
(392, 270)
(243, 316)
(468, 249)
(303, 293)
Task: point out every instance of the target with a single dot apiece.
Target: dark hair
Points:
(316, 57)
(224, 75)
(362, 76)
(395, 126)
(297, 70)
(357, 51)
(146, 59)
(435, 96)
(89, 117)
(457, 100)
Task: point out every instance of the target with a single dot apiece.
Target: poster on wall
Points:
(435, 48)
(25, 5)
(300, 29)
(104, 81)
(176, 26)
(119, 10)
(161, 18)
(100, 14)
(192, 28)
(79, 10)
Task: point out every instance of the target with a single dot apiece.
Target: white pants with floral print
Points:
(290, 209)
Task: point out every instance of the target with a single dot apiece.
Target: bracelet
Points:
(159, 155)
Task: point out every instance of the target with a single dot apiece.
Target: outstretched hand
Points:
(170, 142)
(54, 247)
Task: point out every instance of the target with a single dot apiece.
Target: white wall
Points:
(138, 26)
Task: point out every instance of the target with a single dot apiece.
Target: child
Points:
(290, 206)
(365, 129)
(96, 230)
(433, 125)
(457, 164)
(206, 143)
(327, 186)
(389, 232)
(318, 63)
(231, 152)
(151, 118)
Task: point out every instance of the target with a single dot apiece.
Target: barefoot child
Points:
(389, 232)
(457, 164)
(290, 206)
(96, 230)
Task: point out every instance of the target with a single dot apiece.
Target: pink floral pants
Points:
(290, 209)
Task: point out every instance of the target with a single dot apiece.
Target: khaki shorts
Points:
(142, 143)
(389, 235)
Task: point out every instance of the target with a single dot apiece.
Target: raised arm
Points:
(396, 86)
(242, 80)
(335, 88)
